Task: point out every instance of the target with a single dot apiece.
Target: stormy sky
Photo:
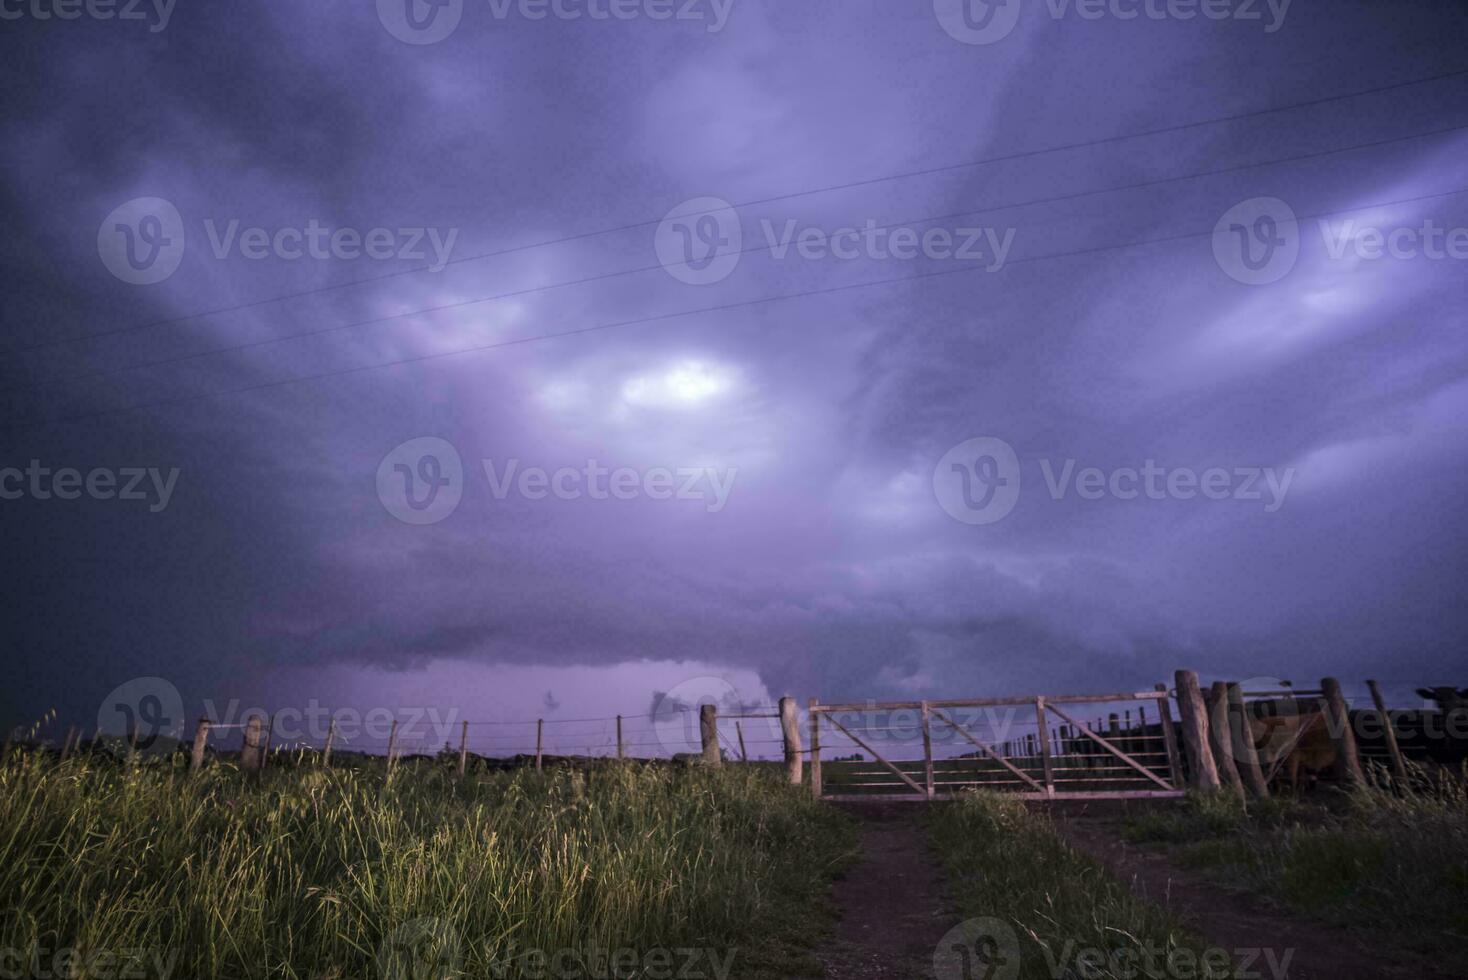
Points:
(407, 278)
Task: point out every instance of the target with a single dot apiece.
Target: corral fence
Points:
(1247, 738)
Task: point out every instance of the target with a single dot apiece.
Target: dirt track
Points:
(894, 909)
(892, 903)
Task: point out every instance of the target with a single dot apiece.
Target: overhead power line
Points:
(720, 308)
(793, 195)
(602, 277)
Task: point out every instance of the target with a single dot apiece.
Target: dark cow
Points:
(1447, 698)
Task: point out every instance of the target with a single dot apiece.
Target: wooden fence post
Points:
(264, 751)
(927, 751)
(1246, 756)
(739, 731)
(708, 731)
(815, 748)
(1202, 771)
(392, 746)
(1220, 737)
(539, 742)
(790, 733)
(330, 741)
(463, 749)
(201, 738)
(1399, 763)
(1044, 740)
(1338, 721)
(252, 748)
(621, 749)
(1169, 736)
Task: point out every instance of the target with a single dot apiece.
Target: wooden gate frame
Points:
(1167, 788)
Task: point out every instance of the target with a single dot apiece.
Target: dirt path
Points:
(892, 903)
(1238, 921)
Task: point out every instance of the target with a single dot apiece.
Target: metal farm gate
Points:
(1044, 747)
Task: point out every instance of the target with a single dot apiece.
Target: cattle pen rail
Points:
(1056, 755)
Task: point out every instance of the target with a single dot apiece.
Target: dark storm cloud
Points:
(832, 569)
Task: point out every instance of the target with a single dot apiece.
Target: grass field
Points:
(1037, 908)
(1394, 866)
(625, 869)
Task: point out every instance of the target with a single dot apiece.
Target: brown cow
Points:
(1276, 728)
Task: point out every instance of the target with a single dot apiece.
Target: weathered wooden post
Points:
(1220, 738)
(1169, 736)
(739, 731)
(1246, 756)
(330, 741)
(196, 751)
(708, 731)
(927, 751)
(1399, 763)
(463, 749)
(1202, 770)
(269, 739)
(1044, 740)
(252, 748)
(392, 746)
(621, 749)
(1338, 720)
(815, 748)
(539, 742)
(790, 734)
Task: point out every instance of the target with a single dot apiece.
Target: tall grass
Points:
(327, 873)
(1390, 862)
(1059, 911)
